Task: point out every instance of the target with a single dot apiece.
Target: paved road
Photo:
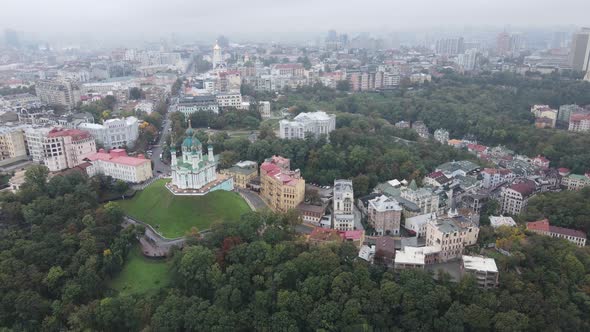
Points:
(254, 199)
(357, 218)
(159, 166)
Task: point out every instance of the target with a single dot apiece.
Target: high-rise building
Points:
(467, 60)
(503, 43)
(64, 93)
(450, 46)
(11, 38)
(580, 50)
(217, 59)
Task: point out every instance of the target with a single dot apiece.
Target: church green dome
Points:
(192, 141)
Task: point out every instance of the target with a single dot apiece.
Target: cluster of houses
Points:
(571, 117)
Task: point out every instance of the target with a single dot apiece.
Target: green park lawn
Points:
(173, 216)
(141, 275)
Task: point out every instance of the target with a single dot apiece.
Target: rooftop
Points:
(545, 226)
(317, 116)
(117, 156)
(479, 263)
(76, 134)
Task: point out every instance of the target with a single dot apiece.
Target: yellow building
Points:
(242, 172)
(281, 188)
(12, 144)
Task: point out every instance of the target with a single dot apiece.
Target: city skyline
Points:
(148, 20)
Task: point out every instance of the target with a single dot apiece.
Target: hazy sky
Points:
(247, 18)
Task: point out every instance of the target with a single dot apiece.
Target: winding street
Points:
(152, 243)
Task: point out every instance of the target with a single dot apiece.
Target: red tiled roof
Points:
(525, 188)
(545, 226)
(351, 235)
(579, 117)
(324, 234)
(117, 156)
(567, 231)
(76, 134)
(435, 175)
(540, 225)
(477, 147)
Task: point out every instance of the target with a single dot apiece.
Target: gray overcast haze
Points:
(268, 18)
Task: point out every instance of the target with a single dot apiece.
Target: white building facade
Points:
(114, 133)
(343, 205)
(316, 123)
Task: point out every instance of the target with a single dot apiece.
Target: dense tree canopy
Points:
(57, 248)
(495, 108)
(568, 209)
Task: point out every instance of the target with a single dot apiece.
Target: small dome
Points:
(189, 131)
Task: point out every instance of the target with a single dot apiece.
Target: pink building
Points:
(67, 148)
(117, 164)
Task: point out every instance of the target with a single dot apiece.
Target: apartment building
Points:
(343, 205)
(514, 198)
(66, 148)
(12, 143)
(493, 177)
(287, 69)
(117, 164)
(543, 227)
(483, 269)
(114, 133)
(546, 112)
(426, 200)
(264, 109)
(192, 104)
(311, 214)
(450, 236)
(579, 122)
(316, 123)
(415, 257)
(65, 93)
(575, 181)
(417, 224)
(229, 100)
(282, 188)
(242, 173)
(385, 215)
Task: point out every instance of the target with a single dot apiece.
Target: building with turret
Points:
(194, 172)
(217, 58)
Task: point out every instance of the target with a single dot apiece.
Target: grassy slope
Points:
(141, 275)
(173, 215)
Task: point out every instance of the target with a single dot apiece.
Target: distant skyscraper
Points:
(11, 38)
(217, 59)
(517, 43)
(468, 59)
(580, 50)
(559, 40)
(450, 46)
(503, 43)
(332, 35)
